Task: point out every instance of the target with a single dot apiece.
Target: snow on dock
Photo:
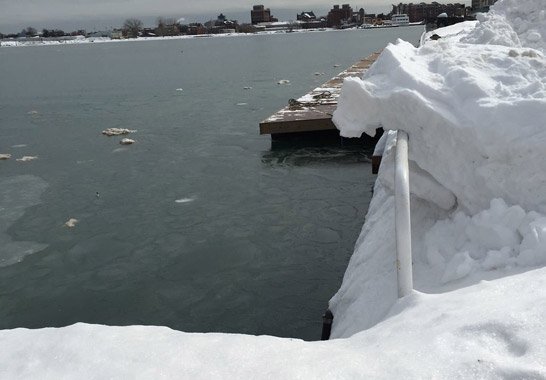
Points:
(313, 111)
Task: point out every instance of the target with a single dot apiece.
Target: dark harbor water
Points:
(200, 225)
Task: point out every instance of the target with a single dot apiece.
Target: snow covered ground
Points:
(492, 330)
(474, 106)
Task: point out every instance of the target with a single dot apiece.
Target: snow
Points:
(522, 23)
(486, 331)
(474, 106)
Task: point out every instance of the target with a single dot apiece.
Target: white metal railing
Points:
(402, 216)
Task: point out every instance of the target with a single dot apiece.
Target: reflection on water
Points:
(314, 156)
(323, 147)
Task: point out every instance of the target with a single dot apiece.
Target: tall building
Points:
(423, 11)
(482, 5)
(338, 15)
(261, 14)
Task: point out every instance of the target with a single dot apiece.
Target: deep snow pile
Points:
(487, 331)
(513, 23)
(510, 23)
(474, 106)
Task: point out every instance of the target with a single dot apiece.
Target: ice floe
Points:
(127, 141)
(117, 131)
(71, 223)
(27, 158)
(184, 200)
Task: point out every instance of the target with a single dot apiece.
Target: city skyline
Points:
(103, 14)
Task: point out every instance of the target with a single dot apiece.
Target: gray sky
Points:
(99, 14)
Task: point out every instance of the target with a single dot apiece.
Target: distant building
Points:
(338, 16)
(482, 5)
(196, 28)
(306, 16)
(308, 20)
(313, 24)
(423, 11)
(222, 25)
(147, 32)
(260, 14)
(101, 33)
(117, 34)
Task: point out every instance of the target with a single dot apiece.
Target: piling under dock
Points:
(313, 111)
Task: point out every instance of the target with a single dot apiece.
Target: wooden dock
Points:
(313, 111)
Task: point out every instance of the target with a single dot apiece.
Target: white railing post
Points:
(402, 216)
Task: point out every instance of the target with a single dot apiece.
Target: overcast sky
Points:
(99, 14)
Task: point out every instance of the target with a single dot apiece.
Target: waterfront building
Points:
(423, 11)
(306, 16)
(260, 14)
(338, 16)
(117, 34)
(222, 25)
(482, 5)
(196, 28)
(399, 19)
(308, 20)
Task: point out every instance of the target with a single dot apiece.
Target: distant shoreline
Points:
(92, 40)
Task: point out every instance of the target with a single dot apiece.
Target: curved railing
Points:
(402, 216)
(404, 266)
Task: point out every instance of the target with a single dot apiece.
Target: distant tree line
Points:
(53, 33)
(165, 26)
(30, 32)
(133, 28)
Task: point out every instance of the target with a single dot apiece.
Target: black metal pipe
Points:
(327, 319)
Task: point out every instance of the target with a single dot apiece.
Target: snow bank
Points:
(513, 23)
(489, 101)
(499, 237)
(487, 331)
(474, 106)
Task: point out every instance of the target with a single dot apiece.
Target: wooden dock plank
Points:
(313, 111)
